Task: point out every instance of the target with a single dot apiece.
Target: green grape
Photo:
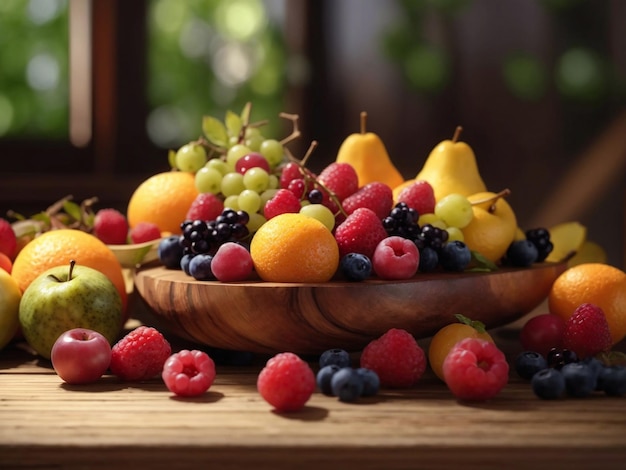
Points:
(249, 201)
(273, 151)
(433, 220)
(254, 142)
(267, 195)
(455, 210)
(232, 202)
(235, 153)
(255, 222)
(455, 234)
(190, 157)
(252, 132)
(232, 184)
(208, 180)
(257, 179)
(321, 213)
(273, 182)
(218, 164)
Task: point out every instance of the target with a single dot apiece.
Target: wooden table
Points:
(46, 424)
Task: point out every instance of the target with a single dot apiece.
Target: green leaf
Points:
(477, 325)
(245, 114)
(73, 210)
(215, 131)
(233, 123)
(481, 264)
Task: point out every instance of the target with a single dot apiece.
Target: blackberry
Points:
(557, 357)
(540, 237)
(205, 237)
(402, 221)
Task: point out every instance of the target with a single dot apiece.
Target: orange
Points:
(294, 248)
(597, 283)
(163, 199)
(447, 337)
(58, 247)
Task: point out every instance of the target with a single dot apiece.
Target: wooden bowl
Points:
(266, 317)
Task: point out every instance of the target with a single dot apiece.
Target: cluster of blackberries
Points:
(205, 237)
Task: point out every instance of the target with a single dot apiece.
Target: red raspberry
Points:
(375, 196)
(188, 373)
(282, 202)
(587, 331)
(286, 382)
(341, 179)
(361, 232)
(111, 227)
(420, 196)
(8, 240)
(140, 354)
(396, 357)
(144, 232)
(475, 370)
(206, 206)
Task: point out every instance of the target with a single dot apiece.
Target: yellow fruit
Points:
(597, 283)
(589, 252)
(163, 199)
(493, 227)
(567, 237)
(58, 247)
(10, 296)
(294, 248)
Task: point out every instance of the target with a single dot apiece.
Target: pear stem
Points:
(493, 199)
(457, 133)
(363, 122)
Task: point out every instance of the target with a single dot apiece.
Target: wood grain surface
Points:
(111, 424)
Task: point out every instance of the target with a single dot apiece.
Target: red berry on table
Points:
(206, 206)
(475, 370)
(587, 331)
(360, 233)
(396, 357)
(375, 196)
(8, 239)
(420, 196)
(341, 179)
(542, 333)
(110, 226)
(140, 355)
(396, 258)
(284, 201)
(286, 382)
(144, 232)
(188, 373)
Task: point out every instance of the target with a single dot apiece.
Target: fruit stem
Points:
(457, 133)
(72, 264)
(295, 133)
(493, 199)
(363, 122)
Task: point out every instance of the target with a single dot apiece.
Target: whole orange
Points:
(58, 247)
(596, 283)
(163, 199)
(294, 247)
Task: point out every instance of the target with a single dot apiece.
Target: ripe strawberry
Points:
(587, 331)
(341, 179)
(283, 201)
(360, 233)
(375, 196)
(206, 206)
(420, 196)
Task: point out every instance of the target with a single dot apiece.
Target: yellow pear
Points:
(367, 154)
(493, 227)
(451, 168)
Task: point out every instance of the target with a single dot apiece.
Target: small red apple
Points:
(80, 356)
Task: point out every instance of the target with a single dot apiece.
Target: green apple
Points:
(10, 295)
(67, 297)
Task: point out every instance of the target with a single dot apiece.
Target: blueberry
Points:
(324, 377)
(355, 267)
(455, 256)
(580, 380)
(548, 384)
(429, 260)
(184, 263)
(596, 367)
(528, 363)
(612, 380)
(170, 252)
(200, 267)
(347, 384)
(371, 381)
(521, 253)
(338, 357)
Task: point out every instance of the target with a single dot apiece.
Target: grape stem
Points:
(295, 133)
(493, 199)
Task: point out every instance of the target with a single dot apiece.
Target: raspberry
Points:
(282, 202)
(360, 233)
(341, 179)
(206, 206)
(144, 232)
(396, 358)
(396, 258)
(8, 240)
(188, 373)
(111, 227)
(475, 370)
(419, 196)
(375, 196)
(286, 382)
(587, 331)
(140, 354)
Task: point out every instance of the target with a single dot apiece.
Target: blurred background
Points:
(93, 93)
